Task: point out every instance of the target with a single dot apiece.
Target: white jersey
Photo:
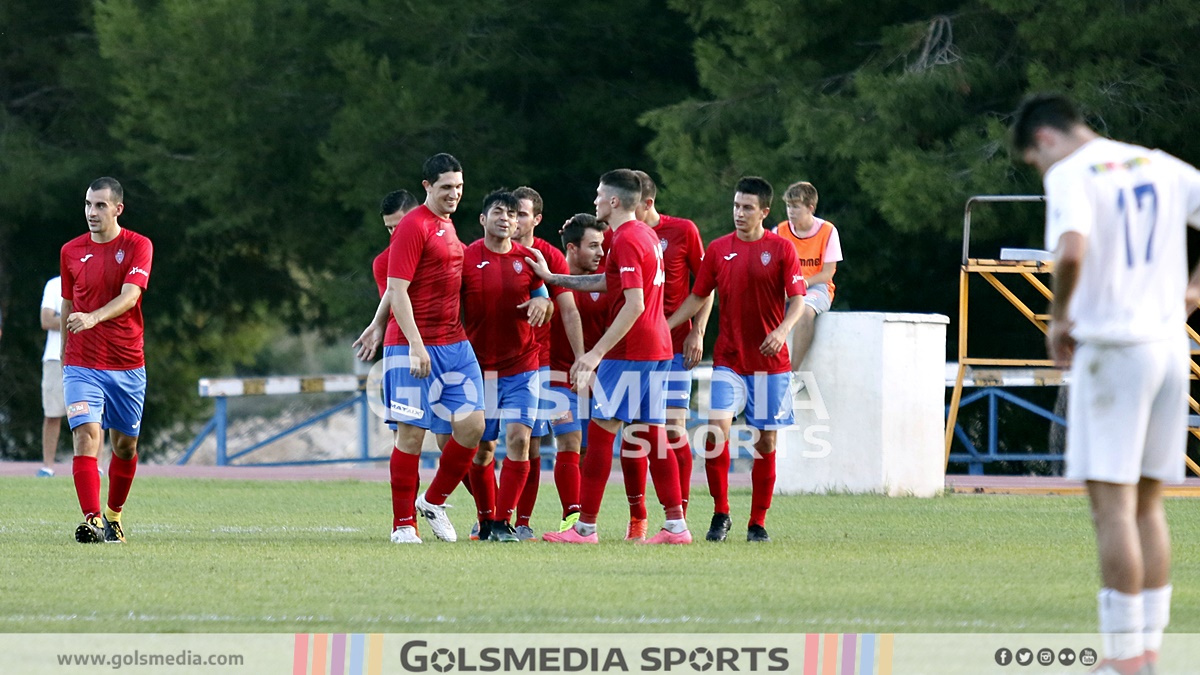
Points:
(52, 299)
(1131, 204)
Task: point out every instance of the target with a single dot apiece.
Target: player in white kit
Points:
(1115, 218)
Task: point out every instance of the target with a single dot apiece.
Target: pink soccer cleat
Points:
(666, 536)
(570, 536)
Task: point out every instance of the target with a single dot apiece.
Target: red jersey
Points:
(754, 280)
(557, 262)
(426, 252)
(635, 261)
(682, 252)
(379, 268)
(593, 313)
(493, 285)
(92, 275)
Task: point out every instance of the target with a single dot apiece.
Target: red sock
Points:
(529, 493)
(664, 472)
(762, 475)
(683, 458)
(406, 478)
(454, 464)
(633, 468)
(466, 481)
(87, 485)
(120, 479)
(566, 480)
(717, 468)
(485, 497)
(594, 470)
(512, 481)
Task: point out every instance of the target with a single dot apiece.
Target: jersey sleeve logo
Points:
(120, 256)
(138, 270)
(765, 258)
(628, 269)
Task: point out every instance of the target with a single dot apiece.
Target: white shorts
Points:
(53, 403)
(1127, 412)
(818, 298)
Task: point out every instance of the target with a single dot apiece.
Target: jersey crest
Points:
(765, 258)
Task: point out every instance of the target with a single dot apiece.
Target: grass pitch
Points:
(248, 556)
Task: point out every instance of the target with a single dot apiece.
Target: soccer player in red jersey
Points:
(582, 237)
(630, 362)
(529, 216)
(104, 365)
(383, 327)
(432, 380)
(503, 301)
(682, 251)
(757, 274)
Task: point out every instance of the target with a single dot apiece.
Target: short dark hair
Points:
(503, 196)
(110, 184)
(755, 185)
(649, 189)
(572, 232)
(437, 165)
(1047, 109)
(395, 202)
(526, 192)
(625, 185)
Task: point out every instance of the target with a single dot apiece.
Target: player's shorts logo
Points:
(407, 410)
(77, 409)
(765, 258)
(517, 266)
(120, 256)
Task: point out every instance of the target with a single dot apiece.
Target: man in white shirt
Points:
(1116, 218)
(54, 406)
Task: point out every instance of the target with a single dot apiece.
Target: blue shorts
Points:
(568, 418)
(513, 398)
(679, 384)
(541, 425)
(113, 398)
(454, 386)
(766, 399)
(631, 391)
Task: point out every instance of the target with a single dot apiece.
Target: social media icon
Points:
(1003, 656)
(1066, 656)
(1087, 656)
(1046, 657)
(1024, 656)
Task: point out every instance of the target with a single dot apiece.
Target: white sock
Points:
(1121, 621)
(586, 529)
(675, 526)
(1156, 605)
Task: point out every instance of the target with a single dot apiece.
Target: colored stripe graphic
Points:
(831, 654)
(337, 660)
(320, 640)
(866, 662)
(300, 656)
(885, 654)
(375, 655)
(812, 644)
(356, 654)
(849, 647)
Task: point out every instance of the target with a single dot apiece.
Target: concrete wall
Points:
(871, 418)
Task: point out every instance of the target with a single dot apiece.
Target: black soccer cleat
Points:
(719, 529)
(757, 533)
(90, 531)
(113, 534)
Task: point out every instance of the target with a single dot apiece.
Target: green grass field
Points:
(242, 556)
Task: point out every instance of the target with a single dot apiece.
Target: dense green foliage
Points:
(255, 138)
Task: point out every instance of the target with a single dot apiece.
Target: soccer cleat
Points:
(113, 534)
(757, 533)
(45, 472)
(525, 533)
(719, 528)
(636, 530)
(405, 535)
(569, 521)
(474, 536)
(503, 532)
(90, 531)
(1136, 666)
(666, 536)
(571, 536)
(438, 522)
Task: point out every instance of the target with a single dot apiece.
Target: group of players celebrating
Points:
(594, 344)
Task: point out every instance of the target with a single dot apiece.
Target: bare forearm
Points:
(68, 306)
(579, 282)
(573, 324)
(117, 306)
(383, 310)
(403, 312)
(700, 321)
(692, 304)
(50, 320)
(1066, 275)
(795, 309)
